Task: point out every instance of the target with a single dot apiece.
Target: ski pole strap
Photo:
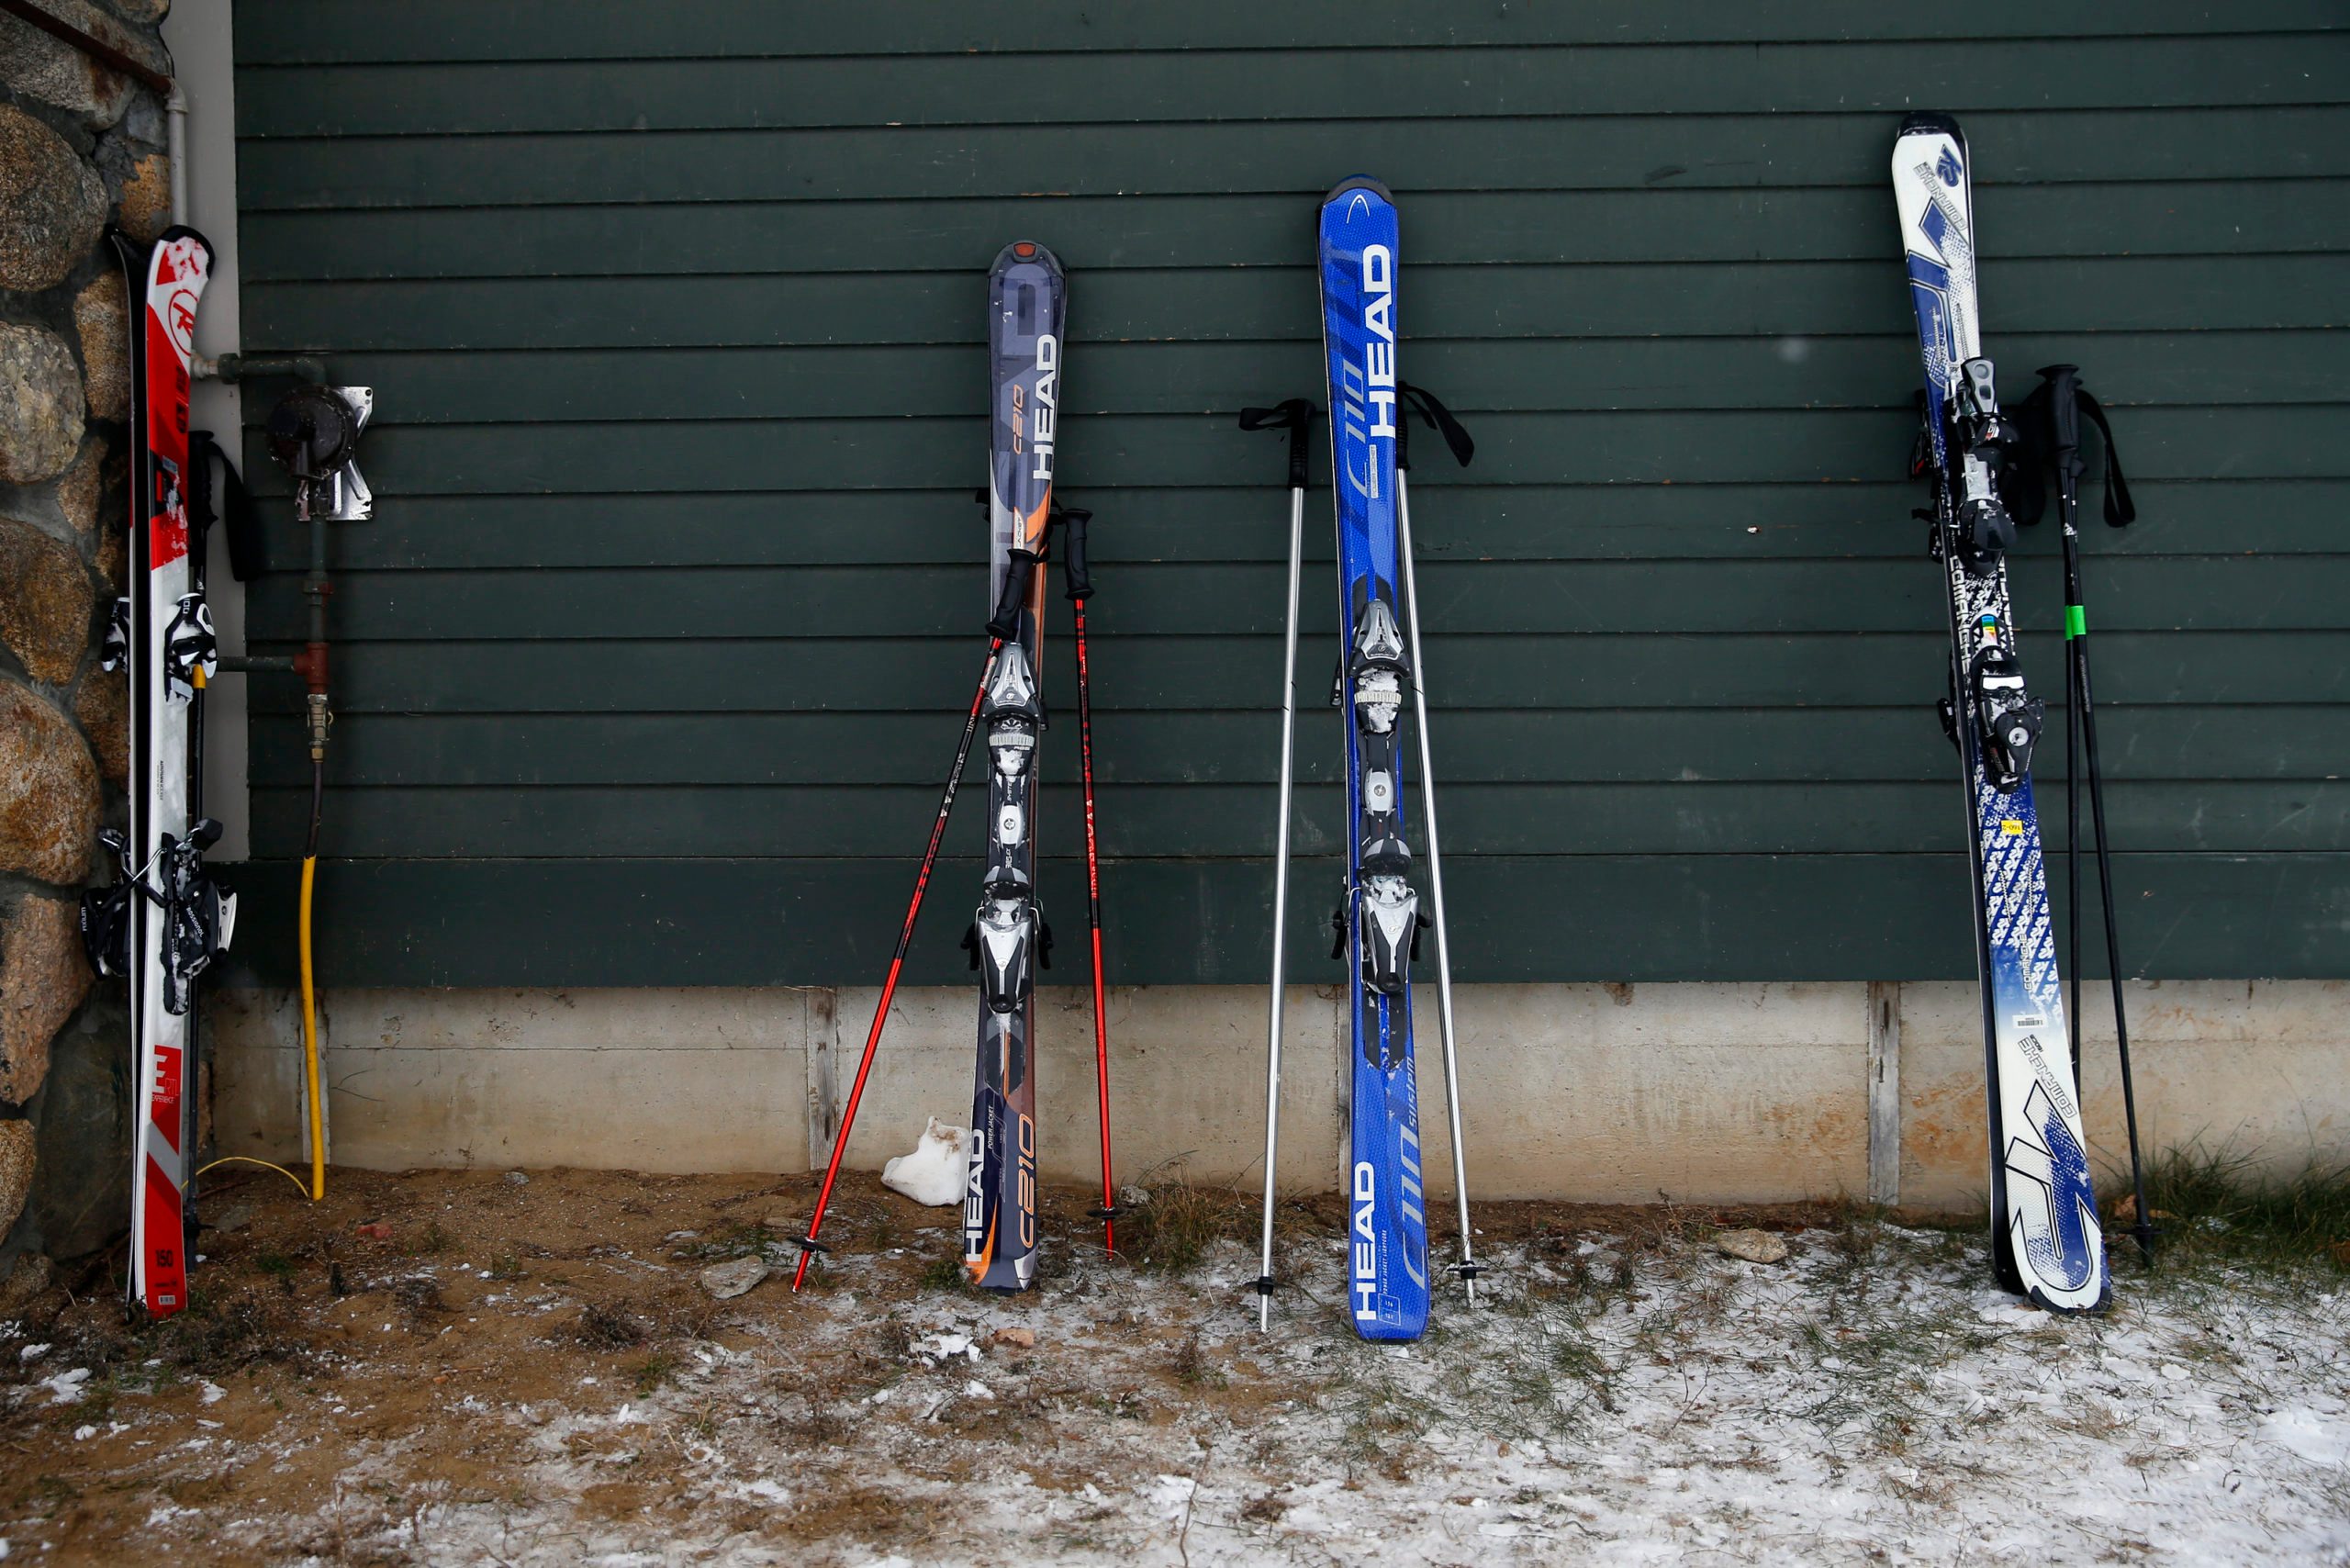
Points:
(247, 560)
(2049, 424)
(2120, 510)
(1439, 418)
(1296, 416)
(1004, 624)
(1076, 579)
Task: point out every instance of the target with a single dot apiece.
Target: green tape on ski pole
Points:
(2076, 622)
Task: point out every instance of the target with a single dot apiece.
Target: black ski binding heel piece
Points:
(105, 912)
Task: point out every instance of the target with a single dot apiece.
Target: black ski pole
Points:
(2065, 403)
(1296, 416)
(1006, 614)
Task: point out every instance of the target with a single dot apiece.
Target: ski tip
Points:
(1026, 253)
(1929, 123)
(182, 231)
(1359, 183)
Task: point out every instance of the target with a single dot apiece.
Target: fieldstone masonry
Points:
(82, 150)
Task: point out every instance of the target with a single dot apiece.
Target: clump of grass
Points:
(734, 1241)
(214, 1336)
(2224, 1205)
(945, 1272)
(656, 1372)
(1192, 1367)
(608, 1328)
(420, 1295)
(1176, 1224)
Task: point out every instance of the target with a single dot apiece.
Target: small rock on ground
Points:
(234, 1217)
(734, 1276)
(1754, 1245)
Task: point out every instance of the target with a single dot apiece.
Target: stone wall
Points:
(82, 150)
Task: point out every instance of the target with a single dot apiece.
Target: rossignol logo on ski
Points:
(179, 319)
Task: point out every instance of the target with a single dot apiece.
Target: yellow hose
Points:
(318, 1186)
(310, 1043)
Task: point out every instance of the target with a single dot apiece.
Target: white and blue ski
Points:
(1378, 919)
(2045, 1240)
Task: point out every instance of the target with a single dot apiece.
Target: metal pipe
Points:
(175, 149)
(1467, 1266)
(232, 368)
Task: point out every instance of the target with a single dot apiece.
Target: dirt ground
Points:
(525, 1368)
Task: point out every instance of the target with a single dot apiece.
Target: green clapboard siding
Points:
(648, 666)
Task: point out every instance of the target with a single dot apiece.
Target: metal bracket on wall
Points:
(343, 496)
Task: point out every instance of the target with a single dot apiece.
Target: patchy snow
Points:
(1612, 1398)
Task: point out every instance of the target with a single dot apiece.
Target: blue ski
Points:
(2046, 1241)
(1378, 919)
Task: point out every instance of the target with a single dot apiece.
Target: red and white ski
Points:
(176, 919)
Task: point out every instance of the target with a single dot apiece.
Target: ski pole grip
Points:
(1076, 579)
(2064, 405)
(1004, 625)
(1295, 416)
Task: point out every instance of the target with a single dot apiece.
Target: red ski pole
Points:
(1080, 587)
(1001, 628)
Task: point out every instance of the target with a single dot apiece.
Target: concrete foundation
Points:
(1703, 1093)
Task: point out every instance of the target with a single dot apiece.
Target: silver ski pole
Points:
(1295, 416)
(1461, 447)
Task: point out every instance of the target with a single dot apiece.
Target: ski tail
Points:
(1378, 920)
(2046, 1244)
(1008, 940)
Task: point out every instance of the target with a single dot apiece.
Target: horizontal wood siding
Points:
(650, 660)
